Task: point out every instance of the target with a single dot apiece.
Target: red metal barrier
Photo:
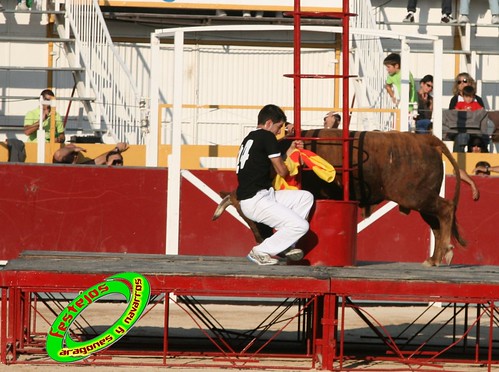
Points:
(332, 239)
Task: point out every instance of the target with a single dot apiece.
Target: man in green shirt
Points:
(32, 118)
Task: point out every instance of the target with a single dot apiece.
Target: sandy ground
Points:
(396, 321)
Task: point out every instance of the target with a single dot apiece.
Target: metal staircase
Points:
(117, 104)
(368, 59)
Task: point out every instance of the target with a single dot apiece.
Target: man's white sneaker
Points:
(261, 258)
(463, 18)
(495, 19)
(293, 254)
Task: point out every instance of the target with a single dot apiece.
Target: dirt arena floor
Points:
(396, 320)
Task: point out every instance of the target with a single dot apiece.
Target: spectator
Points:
(469, 102)
(394, 80)
(462, 79)
(483, 168)
(72, 154)
(425, 105)
(332, 120)
(1, 8)
(446, 11)
(285, 211)
(32, 118)
(477, 144)
(464, 10)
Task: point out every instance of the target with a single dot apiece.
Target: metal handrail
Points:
(116, 91)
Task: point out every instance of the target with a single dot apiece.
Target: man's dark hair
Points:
(47, 92)
(272, 112)
(468, 91)
(392, 59)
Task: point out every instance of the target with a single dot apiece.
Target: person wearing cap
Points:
(332, 120)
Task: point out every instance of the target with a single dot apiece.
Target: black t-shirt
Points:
(253, 163)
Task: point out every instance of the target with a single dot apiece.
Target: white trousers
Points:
(286, 211)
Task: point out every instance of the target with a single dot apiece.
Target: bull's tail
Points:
(221, 207)
(457, 190)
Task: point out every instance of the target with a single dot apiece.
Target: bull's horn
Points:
(221, 207)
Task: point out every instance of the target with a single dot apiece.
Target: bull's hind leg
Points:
(440, 220)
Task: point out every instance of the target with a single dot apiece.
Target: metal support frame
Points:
(318, 309)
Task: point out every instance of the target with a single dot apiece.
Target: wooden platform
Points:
(367, 278)
(323, 292)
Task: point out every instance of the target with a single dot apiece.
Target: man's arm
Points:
(32, 121)
(486, 169)
(469, 181)
(120, 147)
(67, 154)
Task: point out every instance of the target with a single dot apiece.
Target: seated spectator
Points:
(477, 144)
(332, 120)
(469, 102)
(446, 11)
(425, 105)
(464, 10)
(462, 80)
(32, 118)
(72, 154)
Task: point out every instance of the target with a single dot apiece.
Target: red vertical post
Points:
(346, 97)
(297, 68)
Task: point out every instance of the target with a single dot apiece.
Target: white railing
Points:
(113, 86)
(368, 55)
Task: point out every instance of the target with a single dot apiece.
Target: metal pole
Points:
(297, 68)
(346, 98)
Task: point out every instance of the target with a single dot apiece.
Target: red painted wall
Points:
(81, 208)
(84, 208)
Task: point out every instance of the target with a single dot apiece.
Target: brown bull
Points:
(402, 167)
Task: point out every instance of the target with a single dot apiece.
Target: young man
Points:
(285, 211)
(394, 80)
(32, 121)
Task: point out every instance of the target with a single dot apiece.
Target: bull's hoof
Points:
(429, 263)
(449, 255)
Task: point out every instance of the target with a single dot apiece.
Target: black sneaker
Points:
(409, 17)
(447, 18)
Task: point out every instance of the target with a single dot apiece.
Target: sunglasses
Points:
(462, 81)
